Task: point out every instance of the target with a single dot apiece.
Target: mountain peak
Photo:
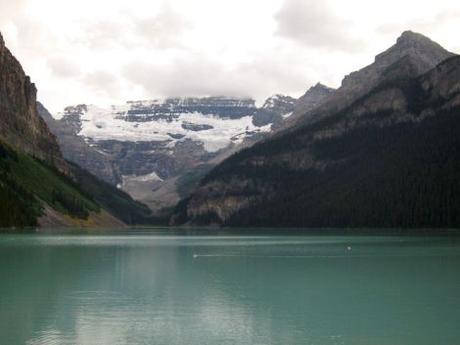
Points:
(411, 36)
(428, 52)
(419, 43)
(319, 87)
(412, 55)
(278, 100)
(314, 96)
(422, 52)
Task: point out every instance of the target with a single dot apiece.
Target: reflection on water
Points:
(164, 289)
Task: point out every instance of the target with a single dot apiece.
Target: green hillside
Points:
(26, 182)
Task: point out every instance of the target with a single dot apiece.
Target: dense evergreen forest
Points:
(402, 176)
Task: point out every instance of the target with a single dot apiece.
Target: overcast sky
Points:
(110, 51)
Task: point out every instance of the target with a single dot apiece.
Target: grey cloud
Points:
(425, 24)
(313, 23)
(183, 77)
(103, 34)
(63, 67)
(33, 37)
(437, 20)
(165, 30)
(126, 31)
(103, 82)
(198, 76)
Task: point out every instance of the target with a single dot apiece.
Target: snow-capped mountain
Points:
(153, 148)
(213, 122)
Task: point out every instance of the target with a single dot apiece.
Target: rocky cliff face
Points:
(385, 159)
(311, 100)
(74, 147)
(274, 111)
(422, 52)
(156, 150)
(20, 124)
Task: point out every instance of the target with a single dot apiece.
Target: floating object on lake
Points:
(348, 248)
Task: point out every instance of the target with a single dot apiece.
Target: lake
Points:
(161, 287)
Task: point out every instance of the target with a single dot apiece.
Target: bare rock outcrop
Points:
(20, 124)
(419, 54)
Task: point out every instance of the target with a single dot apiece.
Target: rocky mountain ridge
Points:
(421, 51)
(311, 100)
(385, 158)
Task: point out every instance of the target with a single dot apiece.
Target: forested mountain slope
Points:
(391, 158)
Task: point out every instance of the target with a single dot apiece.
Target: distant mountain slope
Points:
(74, 147)
(389, 158)
(311, 100)
(156, 150)
(37, 186)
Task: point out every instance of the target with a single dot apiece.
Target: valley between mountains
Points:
(382, 150)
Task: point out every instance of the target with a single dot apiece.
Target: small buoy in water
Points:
(195, 256)
(349, 248)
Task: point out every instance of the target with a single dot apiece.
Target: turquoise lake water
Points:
(157, 287)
